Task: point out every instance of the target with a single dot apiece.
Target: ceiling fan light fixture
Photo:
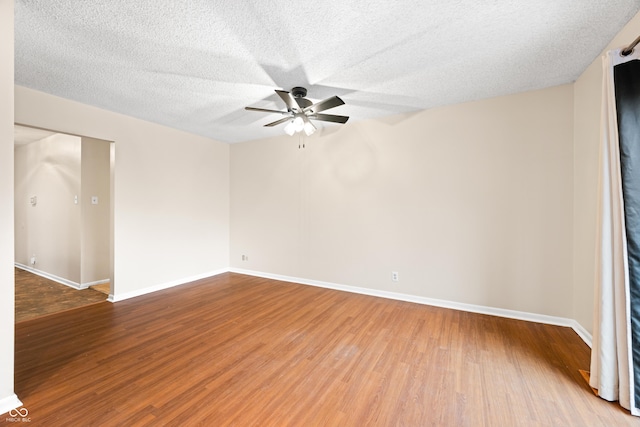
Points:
(298, 124)
(289, 129)
(309, 128)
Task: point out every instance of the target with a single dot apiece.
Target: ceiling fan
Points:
(300, 111)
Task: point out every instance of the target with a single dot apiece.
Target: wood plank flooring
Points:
(245, 351)
(37, 296)
(104, 288)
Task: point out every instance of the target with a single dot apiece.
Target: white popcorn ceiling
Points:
(195, 64)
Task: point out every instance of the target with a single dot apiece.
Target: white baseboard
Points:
(49, 276)
(583, 333)
(493, 311)
(60, 280)
(8, 403)
(139, 292)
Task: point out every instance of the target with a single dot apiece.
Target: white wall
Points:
(470, 203)
(8, 400)
(171, 192)
(50, 230)
(588, 100)
(95, 233)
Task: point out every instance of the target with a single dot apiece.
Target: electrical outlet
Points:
(394, 276)
(33, 260)
(245, 257)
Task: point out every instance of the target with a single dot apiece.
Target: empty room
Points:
(336, 214)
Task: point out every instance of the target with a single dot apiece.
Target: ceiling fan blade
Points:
(325, 104)
(303, 103)
(264, 110)
(329, 118)
(288, 99)
(278, 122)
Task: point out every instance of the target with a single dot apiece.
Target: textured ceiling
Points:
(195, 64)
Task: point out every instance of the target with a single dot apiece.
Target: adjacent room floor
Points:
(37, 296)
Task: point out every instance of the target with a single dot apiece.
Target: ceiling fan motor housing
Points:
(299, 92)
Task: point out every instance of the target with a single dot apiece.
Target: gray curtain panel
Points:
(627, 89)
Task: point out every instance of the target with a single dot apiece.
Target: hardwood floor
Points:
(37, 296)
(244, 351)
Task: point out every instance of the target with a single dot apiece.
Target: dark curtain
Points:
(627, 89)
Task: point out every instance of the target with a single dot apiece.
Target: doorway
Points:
(63, 211)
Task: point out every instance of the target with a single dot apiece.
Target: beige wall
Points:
(588, 99)
(7, 397)
(171, 191)
(50, 230)
(95, 233)
(470, 203)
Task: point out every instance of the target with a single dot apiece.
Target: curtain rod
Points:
(629, 49)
